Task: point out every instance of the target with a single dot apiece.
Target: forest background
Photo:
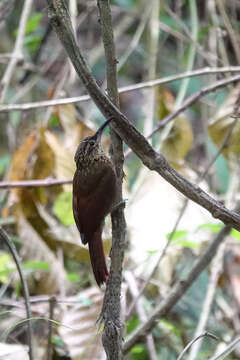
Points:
(178, 74)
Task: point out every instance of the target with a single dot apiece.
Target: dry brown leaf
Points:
(222, 122)
(64, 162)
(34, 159)
(84, 340)
(21, 161)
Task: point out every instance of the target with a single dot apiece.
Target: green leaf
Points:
(62, 208)
(54, 120)
(73, 277)
(179, 234)
(38, 265)
(57, 341)
(171, 327)
(32, 24)
(132, 324)
(186, 243)
(169, 21)
(152, 252)
(32, 42)
(30, 265)
(203, 33)
(235, 234)
(215, 228)
(139, 352)
(5, 262)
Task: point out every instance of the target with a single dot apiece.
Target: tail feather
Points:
(97, 257)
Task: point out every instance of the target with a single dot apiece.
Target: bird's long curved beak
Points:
(98, 134)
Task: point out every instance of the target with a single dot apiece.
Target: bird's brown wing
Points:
(90, 208)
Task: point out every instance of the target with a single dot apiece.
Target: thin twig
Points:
(233, 37)
(5, 238)
(33, 183)
(191, 53)
(193, 341)
(135, 38)
(141, 313)
(189, 66)
(227, 350)
(133, 87)
(209, 298)
(152, 49)
(52, 304)
(17, 54)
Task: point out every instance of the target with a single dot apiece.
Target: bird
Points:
(94, 196)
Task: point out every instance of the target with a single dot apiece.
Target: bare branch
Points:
(52, 305)
(17, 52)
(133, 87)
(33, 183)
(216, 270)
(193, 341)
(129, 277)
(227, 350)
(4, 237)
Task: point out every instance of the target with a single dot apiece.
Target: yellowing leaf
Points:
(64, 162)
(44, 164)
(83, 340)
(22, 158)
(179, 141)
(180, 138)
(222, 123)
(63, 208)
(6, 262)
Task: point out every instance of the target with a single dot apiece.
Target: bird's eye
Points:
(91, 142)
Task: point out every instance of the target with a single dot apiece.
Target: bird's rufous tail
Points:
(97, 257)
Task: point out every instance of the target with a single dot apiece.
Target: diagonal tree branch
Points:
(61, 22)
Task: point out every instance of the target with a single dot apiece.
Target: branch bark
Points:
(112, 333)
